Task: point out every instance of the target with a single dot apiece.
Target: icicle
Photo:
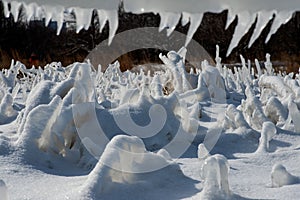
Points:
(102, 19)
(32, 11)
(14, 9)
(281, 18)
(168, 20)
(185, 18)
(5, 9)
(245, 20)
(112, 17)
(83, 18)
(56, 14)
(230, 18)
(195, 23)
(263, 17)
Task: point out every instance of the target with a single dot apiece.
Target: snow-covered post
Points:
(267, 133)
(3, 190)
(280, 176)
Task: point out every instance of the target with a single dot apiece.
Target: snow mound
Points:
(125, 161)
(281, 177)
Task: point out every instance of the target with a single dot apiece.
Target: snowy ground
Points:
(43, 154)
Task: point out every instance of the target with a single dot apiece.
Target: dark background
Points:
(21, 40)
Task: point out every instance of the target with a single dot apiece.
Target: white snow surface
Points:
(50, 144)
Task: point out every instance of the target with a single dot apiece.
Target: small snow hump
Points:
(280, 176)
(3, 190)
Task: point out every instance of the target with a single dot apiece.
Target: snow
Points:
(267, 133)
(79, 133)
(3, 190)
(281, 177)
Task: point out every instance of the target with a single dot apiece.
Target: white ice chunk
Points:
(195, 20)
(280, 176)
(245, 20)
(215, 173)
(203, 153)
(169, 21)
(281, 17)
(3, 190)
(267, 133)
(263, 17)
(83, 18)
(295, 115)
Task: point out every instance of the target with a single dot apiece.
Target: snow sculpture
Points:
(3, 190)
(234, 119)
(281, 177)
(267, 133)
(275, 111)
(295, 115)
(124, 160)
(252, 109)
(175, 63)
(203, 153)
(274, 83)
(56, 133)
(215, 174)
(214, 82)
(7, 112)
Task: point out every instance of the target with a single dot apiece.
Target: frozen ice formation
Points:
(125, 160)
(7, 112)
(267, 133)
(3, 190)
(281, 177)
(170, 12)
(215, 174)
(234, 119)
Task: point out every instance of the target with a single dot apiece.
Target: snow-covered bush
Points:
(281, 177)
(267, 133)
